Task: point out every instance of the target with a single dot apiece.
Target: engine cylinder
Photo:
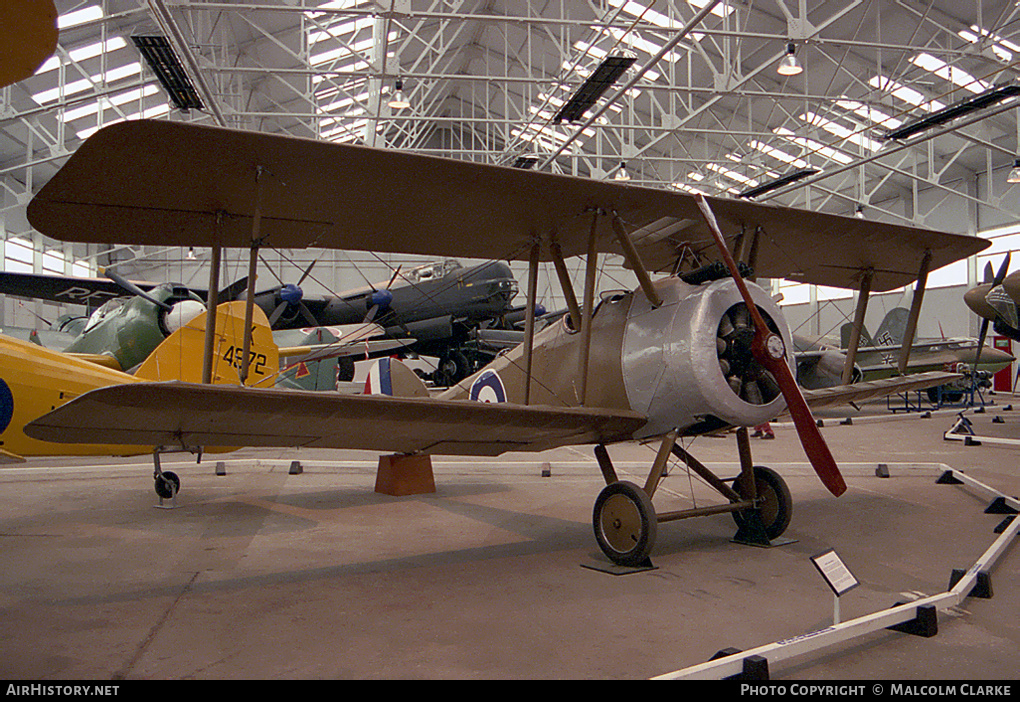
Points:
(687, 363)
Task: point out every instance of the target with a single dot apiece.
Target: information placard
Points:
(836, 574)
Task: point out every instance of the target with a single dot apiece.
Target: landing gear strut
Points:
(168, 483)
(626, 524)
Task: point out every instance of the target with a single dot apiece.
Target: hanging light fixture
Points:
(191, 253)
(622, 174)
(859, 212)
(789, 66)
(398, 102)
(1014, 175)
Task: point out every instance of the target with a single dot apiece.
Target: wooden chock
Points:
(400, 475)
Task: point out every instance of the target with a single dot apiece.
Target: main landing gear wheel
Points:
(625, 523)
(776, 504)
(167, 484)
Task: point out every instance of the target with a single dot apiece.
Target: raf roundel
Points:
(6, 406)
(488, 388)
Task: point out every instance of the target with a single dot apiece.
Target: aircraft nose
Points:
(1011, 284)
(975, 300)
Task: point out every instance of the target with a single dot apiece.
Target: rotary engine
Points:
(688, 364)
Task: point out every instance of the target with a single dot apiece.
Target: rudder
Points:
(180, 355)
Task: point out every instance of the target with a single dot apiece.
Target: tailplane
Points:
(180, 356)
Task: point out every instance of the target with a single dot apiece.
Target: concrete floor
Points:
(264, 574)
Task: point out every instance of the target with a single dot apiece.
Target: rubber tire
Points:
(453, 368)
(163, 489)
(777, 510)
(624, 517)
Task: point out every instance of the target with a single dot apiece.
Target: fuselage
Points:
(676, 363)
(35, 380)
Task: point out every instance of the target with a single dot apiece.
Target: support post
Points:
(634, 258)
(566, 285)
(855, 331)
(529, 319)
(915, 312)
(211, 302)
(249, 311)
(253, 261)
(589, 307)
(605, 464)
(655, 474)
(749, 488)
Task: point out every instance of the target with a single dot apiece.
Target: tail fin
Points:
(893, 327)
(180, 356)
(316, 374)
(844, 336)
(388, 376)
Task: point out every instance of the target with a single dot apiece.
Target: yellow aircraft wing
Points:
(100, 359)
(125, 178)
(173, 414)
(28, 36)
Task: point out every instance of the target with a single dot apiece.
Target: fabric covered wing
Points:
(125, 181)
(175, 414)
(869, 390)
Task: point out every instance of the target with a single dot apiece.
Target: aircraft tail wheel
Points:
(167, 484)
(625, 523)
(776, 507)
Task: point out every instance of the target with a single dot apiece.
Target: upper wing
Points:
(174, 414)
(124, 182)
(28, 36)
(871, 389)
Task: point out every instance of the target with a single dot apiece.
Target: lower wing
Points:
(189, 414)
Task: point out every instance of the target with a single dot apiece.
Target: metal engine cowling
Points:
(687, 364)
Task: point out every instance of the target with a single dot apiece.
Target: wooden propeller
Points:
(770, 351)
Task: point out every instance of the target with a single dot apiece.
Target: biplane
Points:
(700, 349)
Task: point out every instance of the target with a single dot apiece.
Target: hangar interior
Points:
(697, 105)
(704, 109)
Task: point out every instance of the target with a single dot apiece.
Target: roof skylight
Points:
(1003, 49)
(840, 131)
(812, 145)
(902, 92)
(73, 19)
(954, 75)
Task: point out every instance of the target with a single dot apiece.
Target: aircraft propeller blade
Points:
(276, 314)
(307, 314)
(232, 291)
(769, 350)
(380, 301)
(307, 271)
(134, 289)
(996, 281)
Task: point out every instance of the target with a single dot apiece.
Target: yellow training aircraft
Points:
(36, 380)
(697, 350)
